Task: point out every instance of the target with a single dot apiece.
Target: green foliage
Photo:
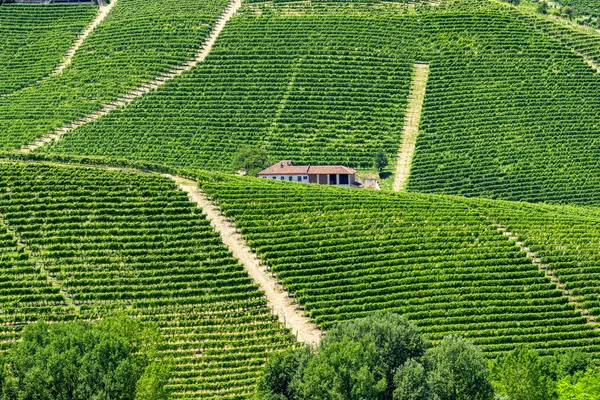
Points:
(344, 370)
(251, 160)
(151, 385)
(542, 8)
(523, 375)
(82, 361)
(571, 362)
(376, 358)
(381, 161)
(395, 340)
(457, 370)
(410, 381)
(583, 386)
(283, 374)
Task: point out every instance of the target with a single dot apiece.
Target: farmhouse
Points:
(324, 175)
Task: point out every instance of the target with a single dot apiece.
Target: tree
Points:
(344, 370)
(378, 358)
(283, 374)
(395, 340)
(410, 382)
(570, 12)
(521, 375)
(82, 361)
(542, 7)
(251, 160)
(583, 386)
(381, 161)
(457, 370)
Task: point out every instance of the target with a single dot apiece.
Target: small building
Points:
(325, 175)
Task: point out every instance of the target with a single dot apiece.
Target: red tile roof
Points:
(286, 167)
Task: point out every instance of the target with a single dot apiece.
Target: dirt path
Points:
(278, 300)
(535, 260)
(411, 125)
(205, 49)
(102, 13)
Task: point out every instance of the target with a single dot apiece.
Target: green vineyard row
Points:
(438, 260)
(83, 242)
(34, 38)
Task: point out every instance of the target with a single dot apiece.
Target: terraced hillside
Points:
(34, 38)
(84, 242)
(137, 41)
(438, 260)
(510, 112)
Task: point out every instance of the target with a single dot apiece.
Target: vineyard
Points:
(33, 39)
(437, 260)
(258, 84)
(493, 235)
(566, 240)
(82, 242)
(327, 88)
(137, 41)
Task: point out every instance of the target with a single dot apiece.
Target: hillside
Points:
(85, 242)
(117, 193)
(305, 83)
(439, 260)
(33, 39)
(137, 42)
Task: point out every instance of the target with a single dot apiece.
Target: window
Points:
(343, 179)
(274, 177)
(283, 177)
(291, 177)
(299, 178)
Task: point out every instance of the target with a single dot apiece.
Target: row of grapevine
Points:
(315, 89)
(565, 239)
(507, 98)
(34, 38)
(347, 253)
(136, 42)
(132, 242)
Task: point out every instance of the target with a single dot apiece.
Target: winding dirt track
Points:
(411, 125)
(278, 300)
(102, 13)
(205, 49)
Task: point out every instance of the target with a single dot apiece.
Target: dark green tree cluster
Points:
(106, 360)
(251, 161)
(382, 357)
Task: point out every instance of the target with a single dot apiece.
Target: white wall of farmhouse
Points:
(293, 178)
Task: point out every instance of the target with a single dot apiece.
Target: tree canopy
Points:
(251, 160)
(380, 357)
(106, 360)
